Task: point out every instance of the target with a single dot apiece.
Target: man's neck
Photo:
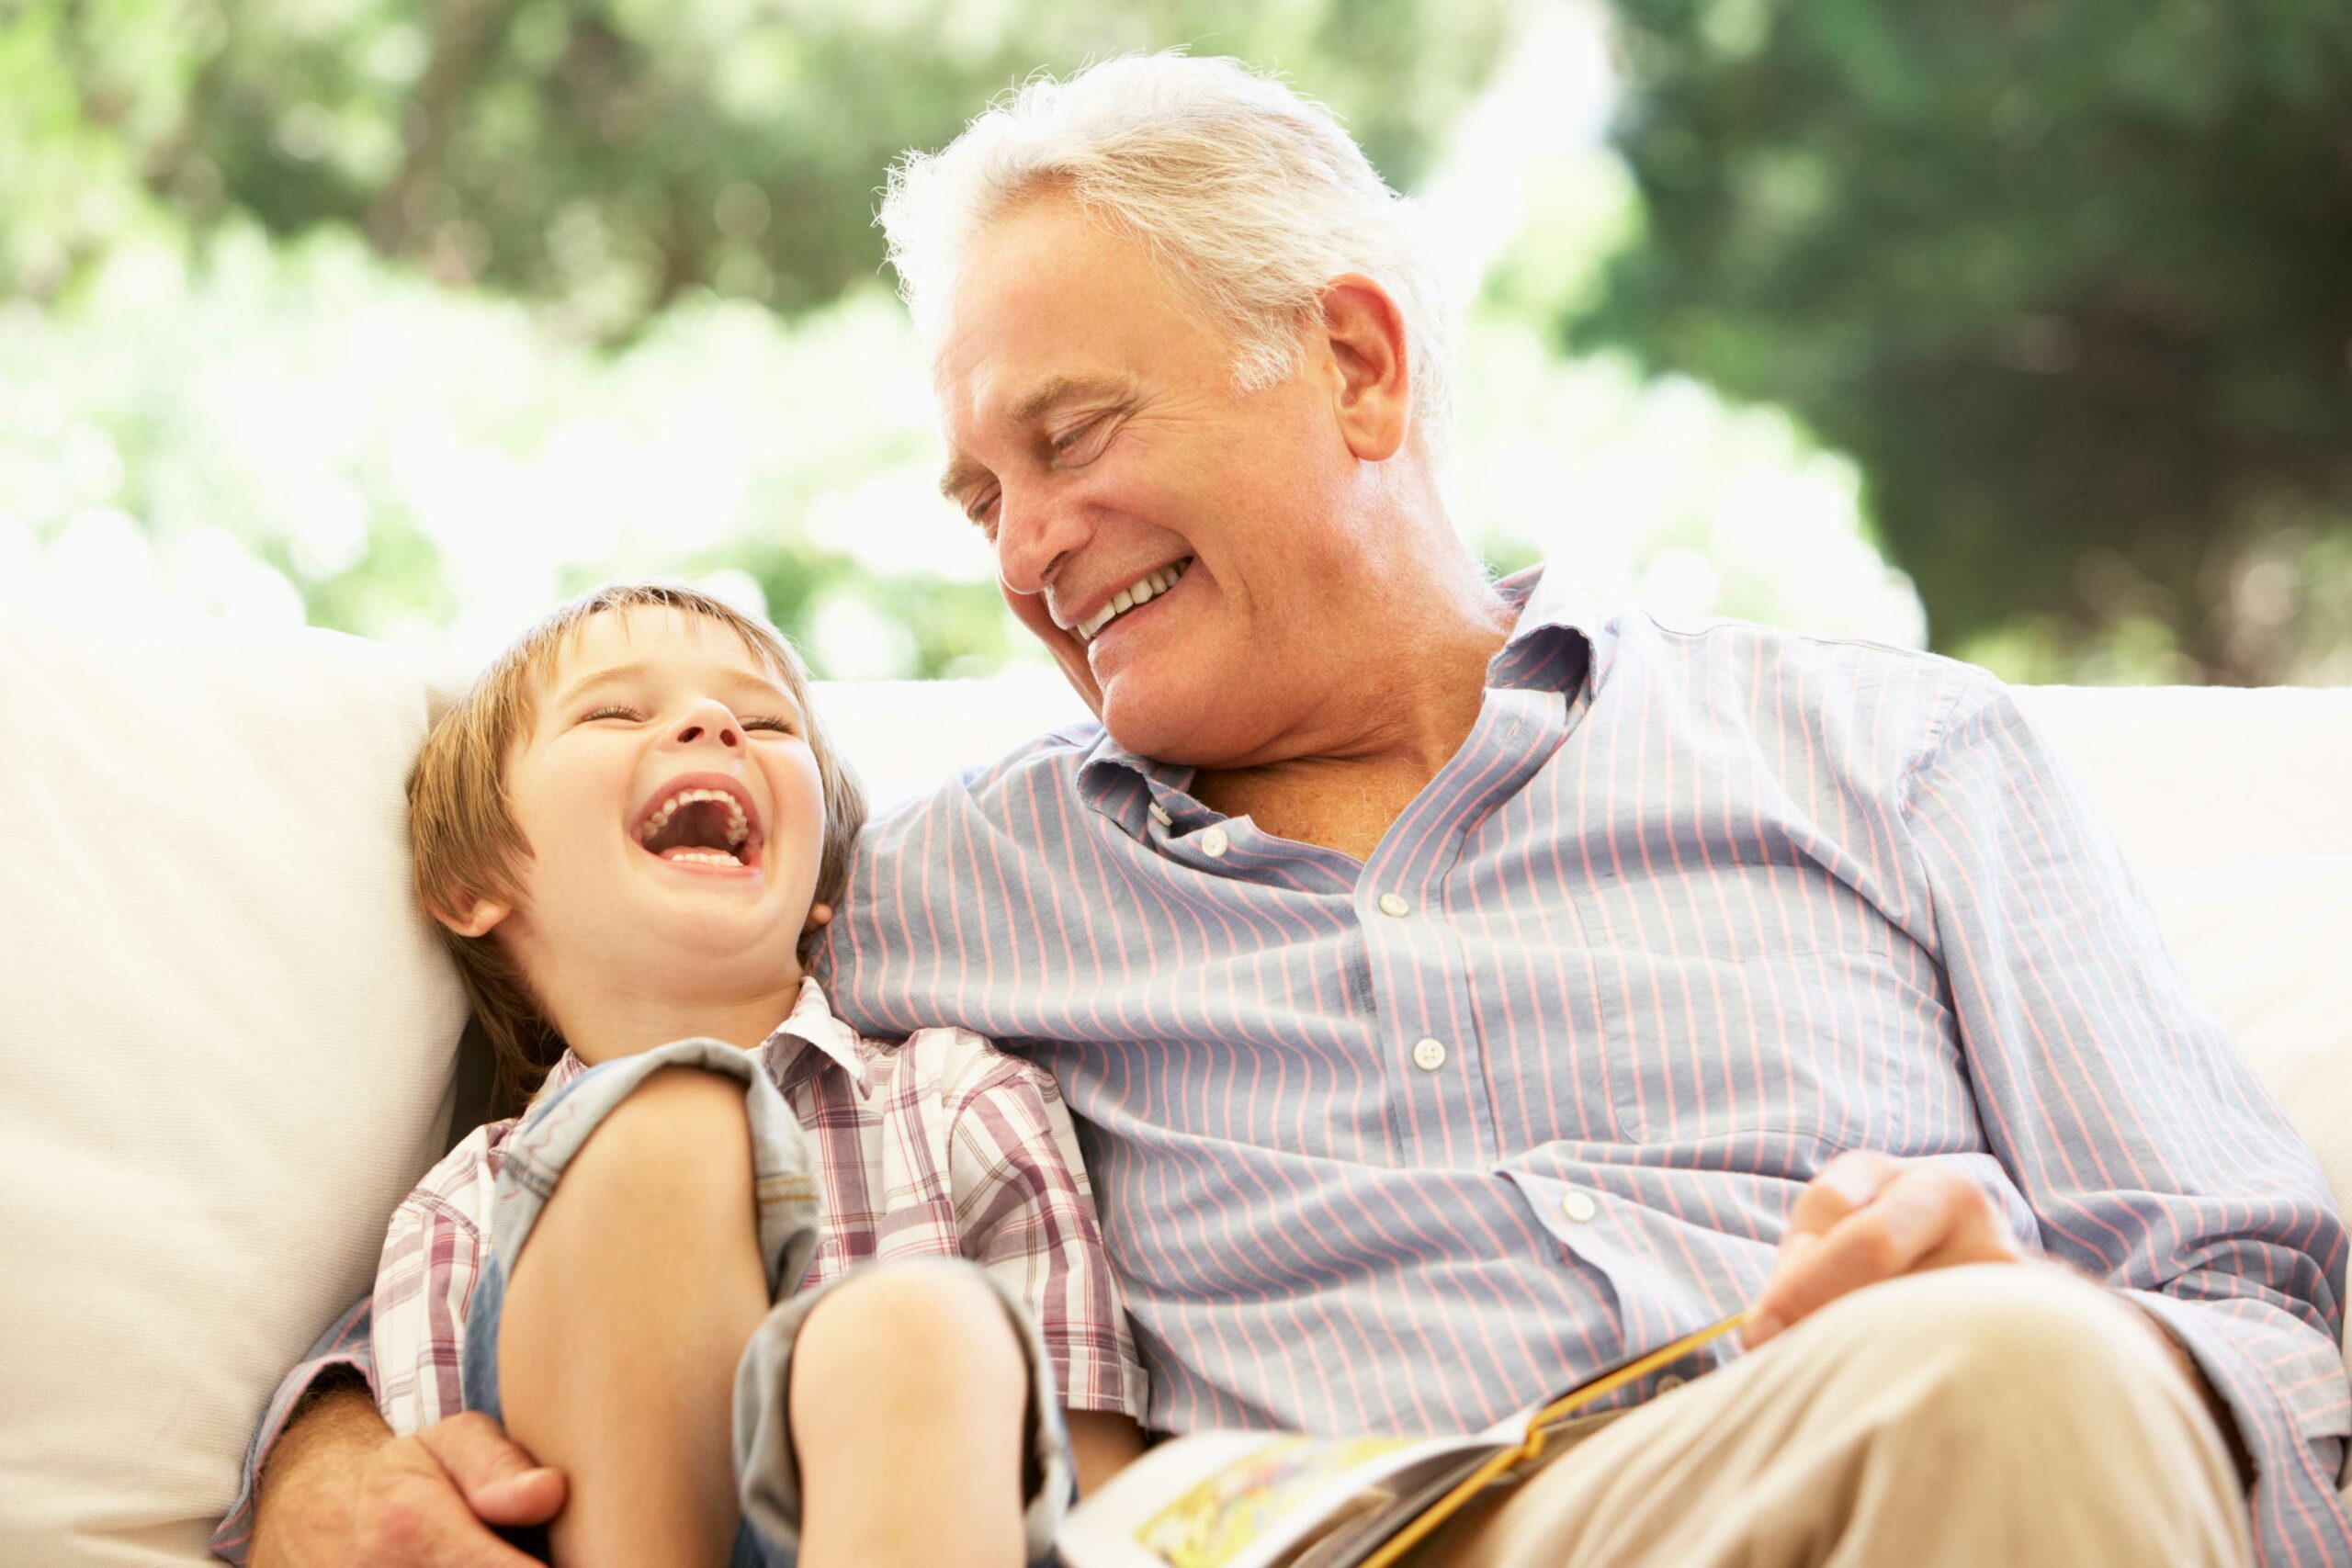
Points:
(1344, 791)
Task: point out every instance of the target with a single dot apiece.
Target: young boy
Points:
(628, 831)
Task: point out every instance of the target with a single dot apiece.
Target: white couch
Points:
(225, 1036)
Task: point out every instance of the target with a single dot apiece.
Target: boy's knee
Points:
(681, 1120)
(917, 1332)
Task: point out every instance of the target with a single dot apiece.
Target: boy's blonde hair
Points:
(465, 842)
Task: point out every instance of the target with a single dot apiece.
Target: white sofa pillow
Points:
(225, 1041)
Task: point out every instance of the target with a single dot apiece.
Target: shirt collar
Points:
(811, 1024)
(1559, 635)
(1551, 606)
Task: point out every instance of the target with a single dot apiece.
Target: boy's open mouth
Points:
(706, 821)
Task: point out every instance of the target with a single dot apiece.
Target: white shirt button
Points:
(1428, 1054)
(1668, 1383)
(1160, 814)
(1213, 843)
(1579, 1207)
(1394, 904)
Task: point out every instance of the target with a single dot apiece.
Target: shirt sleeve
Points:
(433, 1253)
(1027, 1215)
(405, 1341)
(2151, 1156)
(343, 1347)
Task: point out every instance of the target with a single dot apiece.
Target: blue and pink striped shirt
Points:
(1407, 1144)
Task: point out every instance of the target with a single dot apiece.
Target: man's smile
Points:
(1134, 595)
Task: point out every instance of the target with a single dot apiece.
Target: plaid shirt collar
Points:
(808, 1038)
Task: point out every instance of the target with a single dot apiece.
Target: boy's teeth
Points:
(702, 857)
(738, 829)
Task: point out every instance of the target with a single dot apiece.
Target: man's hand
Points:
(1869, 1217)
(340, 1489)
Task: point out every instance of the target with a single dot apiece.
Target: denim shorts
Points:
(784, 1165)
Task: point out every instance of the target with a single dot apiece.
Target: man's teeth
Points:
(1140, 592)
(701, 857)
(738, 829)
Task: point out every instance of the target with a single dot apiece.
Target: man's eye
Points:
(614, 711)
(1070, 442)
(983, 515)
(781, 726)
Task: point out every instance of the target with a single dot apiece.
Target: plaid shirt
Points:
(942, 1146)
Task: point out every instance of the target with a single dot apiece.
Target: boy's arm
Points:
(1034, 1226)
(1019, 1183)
(396, 1353)
(1102, 1444)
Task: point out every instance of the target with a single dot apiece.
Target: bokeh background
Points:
(2022, 331)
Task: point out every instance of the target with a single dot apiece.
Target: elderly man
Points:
(1458, 988)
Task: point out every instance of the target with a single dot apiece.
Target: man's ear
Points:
(1364, 332)
(472, 916)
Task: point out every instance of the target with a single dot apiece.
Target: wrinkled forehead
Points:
(1052, 309)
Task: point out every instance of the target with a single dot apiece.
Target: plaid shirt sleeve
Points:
(980, 1159)
(404, 1341)
(434, 1251)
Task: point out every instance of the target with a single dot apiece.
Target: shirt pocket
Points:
(1844, 1045)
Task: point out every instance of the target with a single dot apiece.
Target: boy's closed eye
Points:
(616, 710)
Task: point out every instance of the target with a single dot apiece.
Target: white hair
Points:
(1251, 197)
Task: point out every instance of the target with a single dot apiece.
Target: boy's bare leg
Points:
(628, 1310)
(908, 1399)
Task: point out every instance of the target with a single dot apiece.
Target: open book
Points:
(1277, 1500)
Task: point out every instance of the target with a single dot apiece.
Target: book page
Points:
(1247, 1499)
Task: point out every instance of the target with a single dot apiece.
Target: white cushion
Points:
(225, 1038)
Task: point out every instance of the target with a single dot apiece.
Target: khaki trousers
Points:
(1995, 1415)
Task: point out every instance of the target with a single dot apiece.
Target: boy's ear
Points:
(472, 916)
(819, 914)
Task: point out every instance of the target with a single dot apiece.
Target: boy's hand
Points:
(340, 1489)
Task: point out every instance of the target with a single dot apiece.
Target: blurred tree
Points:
(605, 154)
(2071, 280)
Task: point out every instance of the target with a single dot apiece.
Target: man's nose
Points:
(708, 721)
(1034, 535)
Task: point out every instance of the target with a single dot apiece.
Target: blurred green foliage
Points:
(604, 155)
(406, 316)
(621, 306)
(2071, 280)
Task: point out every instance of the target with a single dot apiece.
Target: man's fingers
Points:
(437, 1538)
(1910, 1219)
(1846, 1184)
(497, 1477)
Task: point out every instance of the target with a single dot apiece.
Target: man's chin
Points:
(1185, 727)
